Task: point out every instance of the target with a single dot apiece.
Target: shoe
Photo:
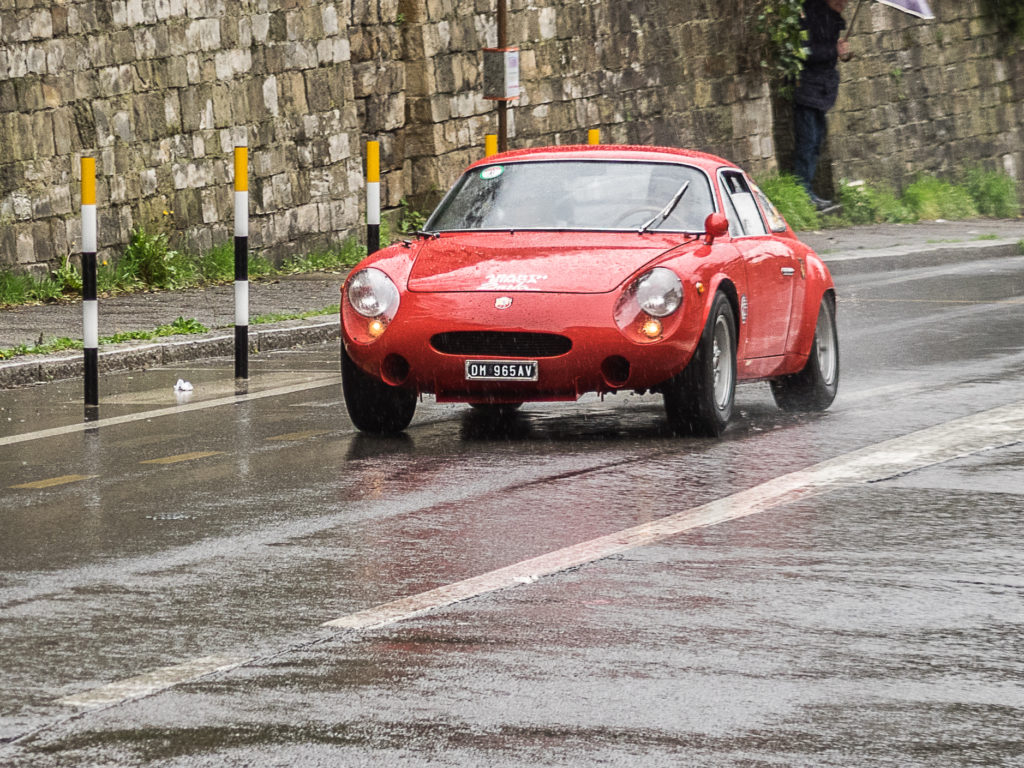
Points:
(824, 206)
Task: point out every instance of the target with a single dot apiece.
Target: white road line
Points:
(151, 682)
(992, 429)
(989, 430)
(174, 409)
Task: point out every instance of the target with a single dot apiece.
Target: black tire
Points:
(373, 405)
(699, 399)
(814, 388)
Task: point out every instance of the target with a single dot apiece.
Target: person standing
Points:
(817, 87)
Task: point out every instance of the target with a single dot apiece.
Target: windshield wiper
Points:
(427, 234)
(665, 212)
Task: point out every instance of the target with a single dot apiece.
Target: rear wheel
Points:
(814, 388)
(699, 399)
(373, 405)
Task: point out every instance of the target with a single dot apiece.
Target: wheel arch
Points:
(727, 287)
(817, 291)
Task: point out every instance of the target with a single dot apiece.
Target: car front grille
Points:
(501, 343)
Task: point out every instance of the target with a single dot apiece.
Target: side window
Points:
(741, 201)
(775, 220)
(735, 225)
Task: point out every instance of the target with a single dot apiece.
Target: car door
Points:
(772, 270)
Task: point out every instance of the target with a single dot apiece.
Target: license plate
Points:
(501, 370)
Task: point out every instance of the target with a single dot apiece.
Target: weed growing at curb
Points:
(983, 193)
(275, 317)
(789, 196)
(933, 198)
(179, 327)
(150, 263)
(995, 194)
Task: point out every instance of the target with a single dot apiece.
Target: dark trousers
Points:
(809, 130)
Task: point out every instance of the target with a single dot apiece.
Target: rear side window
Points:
(775, 220)
(741, 207)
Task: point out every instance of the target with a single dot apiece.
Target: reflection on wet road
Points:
(798, 593)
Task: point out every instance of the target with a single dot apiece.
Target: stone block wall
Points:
(928, 96)
(161, 90)
(657, 71)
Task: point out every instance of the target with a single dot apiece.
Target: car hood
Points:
(564, 262)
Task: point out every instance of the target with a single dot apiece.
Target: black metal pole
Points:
(502, 104)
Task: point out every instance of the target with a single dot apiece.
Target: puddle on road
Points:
(206, 390)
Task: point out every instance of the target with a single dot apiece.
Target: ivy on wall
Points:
(1008, 15)
(782, 39)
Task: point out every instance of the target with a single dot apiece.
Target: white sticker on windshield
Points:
(491, 172)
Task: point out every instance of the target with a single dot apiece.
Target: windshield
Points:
(576, 194)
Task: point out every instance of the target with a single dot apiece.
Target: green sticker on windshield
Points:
(491, 172)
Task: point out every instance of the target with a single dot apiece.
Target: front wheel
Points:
(814, 388)
(373, 405)
(699, 399)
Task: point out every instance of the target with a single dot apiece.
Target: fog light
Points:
(651, 328)
(376, 328)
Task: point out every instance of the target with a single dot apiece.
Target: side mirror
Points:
(715, 226)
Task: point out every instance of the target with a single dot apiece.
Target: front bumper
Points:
(601, 359)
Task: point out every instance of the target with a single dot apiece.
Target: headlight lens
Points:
(642, 306)
(659, 292)
(372, 294)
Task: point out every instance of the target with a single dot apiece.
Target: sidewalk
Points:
(846, 251)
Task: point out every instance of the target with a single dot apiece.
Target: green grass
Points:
(995, 194)
(932, 198)
(150, 263)
(789, 196)
(866, 204)
(340, 256)
(276, 317)
(180, 326)
(983, 193)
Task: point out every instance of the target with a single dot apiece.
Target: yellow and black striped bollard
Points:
(90, 305)
(241, 262)
(372, 196)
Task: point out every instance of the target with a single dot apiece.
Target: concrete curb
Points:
(924, 255)
(33, 369)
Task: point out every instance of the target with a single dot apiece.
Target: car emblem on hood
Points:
(503, 302)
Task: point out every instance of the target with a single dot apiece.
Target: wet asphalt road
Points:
(190, 556)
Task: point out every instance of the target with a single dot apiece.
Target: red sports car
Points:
(547, 273)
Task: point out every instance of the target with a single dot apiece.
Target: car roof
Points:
(608, 152)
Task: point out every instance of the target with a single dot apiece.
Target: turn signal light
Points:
(376, 328)
(651, 328)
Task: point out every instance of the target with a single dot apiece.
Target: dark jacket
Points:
(818, 84)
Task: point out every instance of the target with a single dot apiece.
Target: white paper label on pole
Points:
(241, 214)
(88, 229)
(90, 324)
(242, 302)
(373, 202)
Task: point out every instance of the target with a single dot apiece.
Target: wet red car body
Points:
(548, 273)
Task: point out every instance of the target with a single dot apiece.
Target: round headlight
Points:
(372, 294)
(659, 292)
